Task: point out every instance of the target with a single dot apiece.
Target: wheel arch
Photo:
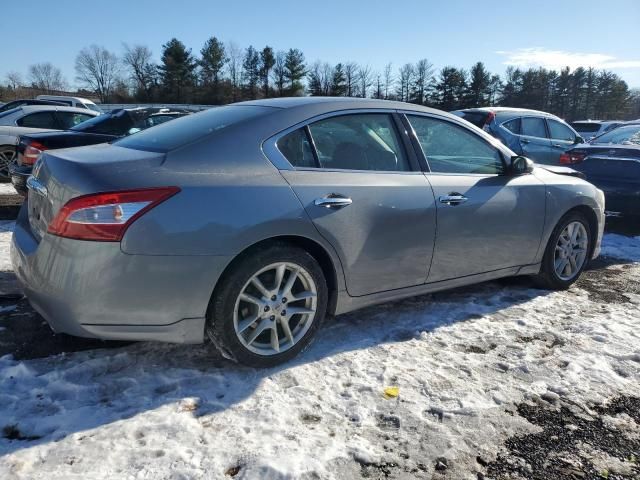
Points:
(328, 265)
(592, 218)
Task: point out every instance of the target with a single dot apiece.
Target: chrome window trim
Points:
(607, 157)
(276, 157)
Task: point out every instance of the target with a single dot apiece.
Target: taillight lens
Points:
(569, 158)
(31, 153)
(105, 217)
(490, 117)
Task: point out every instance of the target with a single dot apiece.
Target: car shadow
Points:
(43, 400)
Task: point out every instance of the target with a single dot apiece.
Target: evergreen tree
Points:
(267, 60)
(479, 88)
(213, 58)
(251, 72)
(338, 81)
(177, 71)
(451, 88)
(294, 70)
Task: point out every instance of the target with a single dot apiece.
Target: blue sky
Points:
(543, 32)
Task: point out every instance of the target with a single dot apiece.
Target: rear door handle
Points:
(452, 199)
(557, 145)
(524, 140)
(333, 201)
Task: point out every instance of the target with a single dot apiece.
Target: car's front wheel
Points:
(7, 156)
(567, 252)
(268, 306)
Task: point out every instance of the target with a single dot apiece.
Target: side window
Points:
(453, 149)
(296, 148)
(70, 119)
(38, 120)
(533, 127)
(559, 131)
(513, 126)
(359, 142)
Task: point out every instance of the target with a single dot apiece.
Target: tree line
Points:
(221, 73)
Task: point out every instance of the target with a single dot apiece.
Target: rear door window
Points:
(38, 120)
(296, 148)
(559, 131)
(533, 127)
(513, 126)
(359, 142)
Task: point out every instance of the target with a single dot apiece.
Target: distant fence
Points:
(107, 107)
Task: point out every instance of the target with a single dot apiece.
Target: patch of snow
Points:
(6, 231)
(460, 360)
(620, 246)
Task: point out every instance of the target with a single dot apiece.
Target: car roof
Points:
(598, 121)
(66, 97)
(341, 103)
(49, 108)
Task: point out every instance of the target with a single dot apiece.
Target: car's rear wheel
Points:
(268, 307)
(567, 252)
(7, 156)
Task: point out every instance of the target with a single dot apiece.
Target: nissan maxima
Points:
(247, 224)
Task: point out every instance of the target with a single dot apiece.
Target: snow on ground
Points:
(461, 361)
(7, 189)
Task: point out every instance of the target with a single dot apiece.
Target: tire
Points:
(7, 156)
(549, 277)
(233, 322)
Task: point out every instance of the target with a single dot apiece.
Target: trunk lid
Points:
(60, 175)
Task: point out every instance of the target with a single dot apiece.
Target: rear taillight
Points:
(31, 153)
(490, 117)
(569, 158)
(105, 217)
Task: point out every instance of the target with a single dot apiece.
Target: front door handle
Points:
(524, 140)
(333, 201)
(452, 199)
(558, 145)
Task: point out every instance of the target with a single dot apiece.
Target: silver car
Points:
(27, 119)
(248, 223)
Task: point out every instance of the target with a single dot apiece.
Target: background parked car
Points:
(612, 163)
(30, 119)
(100, 129)
(77, 102)
(539, 136)
(589, 129)
(21, 102)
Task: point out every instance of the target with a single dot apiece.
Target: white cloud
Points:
(557, 59)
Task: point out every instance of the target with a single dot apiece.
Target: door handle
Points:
(524, 140)
(333, 201)
(452, 199)
(557, 145)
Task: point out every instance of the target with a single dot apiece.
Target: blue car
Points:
(612, 163)
(540, 136)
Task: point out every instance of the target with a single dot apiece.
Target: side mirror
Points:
(521, 165)
(578, 140)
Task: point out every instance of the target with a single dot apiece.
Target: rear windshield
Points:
(587, 127)
(477, 118)
(625, 135)
(115, 123)
(171, 135)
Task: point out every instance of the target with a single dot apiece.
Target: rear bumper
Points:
(93, 289)
(19, 175)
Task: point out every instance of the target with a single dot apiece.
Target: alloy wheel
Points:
(275, 308)
(7, 155)
(571, 251)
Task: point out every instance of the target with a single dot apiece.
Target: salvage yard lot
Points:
(498, 380)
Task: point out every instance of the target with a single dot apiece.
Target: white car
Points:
(589, 129)
(30, 119)
(77, 102)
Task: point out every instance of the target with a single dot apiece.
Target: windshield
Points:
(177, 133)
(115, 123)
(586, 127)
(94, 107)
(627, 135)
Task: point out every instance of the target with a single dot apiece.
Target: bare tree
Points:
(44, 76)
(406, 76)
(280, 72)
(97, 69)
(14, 80)
(422, 77)
(388, 80)
(350, 74)
(365, 78)
(234, 66)
(137, 59)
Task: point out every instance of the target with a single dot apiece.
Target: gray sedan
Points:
(247, 224)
